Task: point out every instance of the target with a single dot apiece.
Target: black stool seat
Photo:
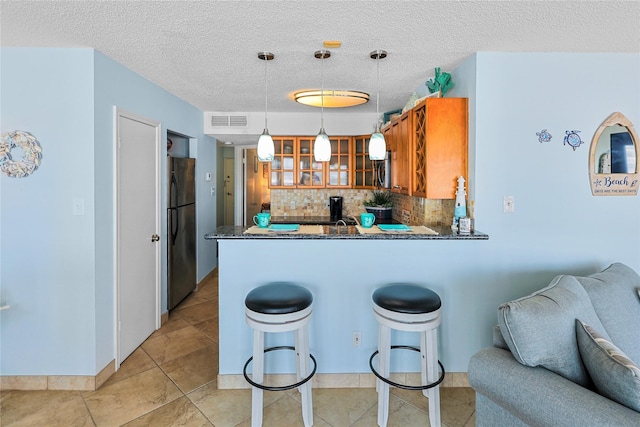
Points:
(278, 298)
(407, 298)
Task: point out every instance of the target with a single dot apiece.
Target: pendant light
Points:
(322, 146)
(377, 145)
(266, 149)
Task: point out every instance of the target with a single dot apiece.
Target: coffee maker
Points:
(335, 207)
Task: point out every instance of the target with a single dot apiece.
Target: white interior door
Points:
(138, 228)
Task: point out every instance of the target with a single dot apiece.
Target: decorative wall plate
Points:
(572, 138)
(20, 154)
(543, 136)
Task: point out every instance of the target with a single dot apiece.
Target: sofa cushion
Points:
(540, 328)
(614, 295)
(613, 373)
(498, 338)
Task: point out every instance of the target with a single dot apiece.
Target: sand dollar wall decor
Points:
(20, 154)
(613, 158)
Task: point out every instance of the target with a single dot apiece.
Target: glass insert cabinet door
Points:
(310, 172)
(282, 168)
(338, 174)
(363, 166)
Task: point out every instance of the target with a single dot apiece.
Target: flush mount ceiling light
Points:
(266, 149)
(322, 146)
(331, 98)
(377, 144)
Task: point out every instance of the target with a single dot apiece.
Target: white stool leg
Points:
(433, 393)
(257, 377)
(302, 356)
(384, 362)
(300, 367)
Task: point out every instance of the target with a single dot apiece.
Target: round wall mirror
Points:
(613, 158)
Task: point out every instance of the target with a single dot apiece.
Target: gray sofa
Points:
(563, 356)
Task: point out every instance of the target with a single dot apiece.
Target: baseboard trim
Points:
(355, 380)
(209, 276)
(106, 372)
(57, 382)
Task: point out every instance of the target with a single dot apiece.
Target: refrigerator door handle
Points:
(173, 229)
(173, 190)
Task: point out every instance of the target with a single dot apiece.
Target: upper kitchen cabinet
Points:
(398, 138)
(339, 174)
(428, 147)
(362, 166)
(282, 171)
(310, 173)
(439, 147)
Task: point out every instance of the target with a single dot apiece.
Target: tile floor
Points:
(170, 380)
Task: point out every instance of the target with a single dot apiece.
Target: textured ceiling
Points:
(205, 52)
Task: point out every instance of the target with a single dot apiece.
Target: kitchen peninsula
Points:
(341, 267)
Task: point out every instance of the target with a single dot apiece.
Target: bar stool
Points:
(280, 307)
(408, 307)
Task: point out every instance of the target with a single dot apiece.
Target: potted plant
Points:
(380, 204)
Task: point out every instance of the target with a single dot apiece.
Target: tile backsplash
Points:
(308, 202)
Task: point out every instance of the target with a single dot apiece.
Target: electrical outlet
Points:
(357, 338)
(292, 204)
(508, 204)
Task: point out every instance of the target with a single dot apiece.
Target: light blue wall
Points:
(558, 227)
(557, 223)
(57, 269)
(47, 254)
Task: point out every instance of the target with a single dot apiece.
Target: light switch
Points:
(207, 176)
(78, 206)
(508, 204)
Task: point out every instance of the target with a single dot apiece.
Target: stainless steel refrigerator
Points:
(181, 224)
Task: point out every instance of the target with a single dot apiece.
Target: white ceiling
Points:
(205, 52)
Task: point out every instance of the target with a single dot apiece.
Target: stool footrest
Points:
(404, 386)
(284, 387)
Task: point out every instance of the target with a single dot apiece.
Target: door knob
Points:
(155, 238)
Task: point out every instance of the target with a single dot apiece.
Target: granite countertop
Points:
(322, 220)
(344, 232)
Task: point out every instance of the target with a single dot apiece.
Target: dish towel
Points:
(415, 229)
(304, 229)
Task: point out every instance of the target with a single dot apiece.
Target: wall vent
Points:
(228, 121)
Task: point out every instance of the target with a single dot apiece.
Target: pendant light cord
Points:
(265, 90)
(322, 92)
(378, 91)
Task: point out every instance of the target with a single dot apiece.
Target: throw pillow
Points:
(613, 373)
(540, 328)
(614, 296)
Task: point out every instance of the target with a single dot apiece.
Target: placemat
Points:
(415, 229)
(304, 229)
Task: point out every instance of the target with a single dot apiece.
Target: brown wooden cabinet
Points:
(294, 166)
(282, 170)
(428, 145)
(439, 147)
(362, 166)
(339, 173)
(397, 137)
(311, 174)
(429, 148)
